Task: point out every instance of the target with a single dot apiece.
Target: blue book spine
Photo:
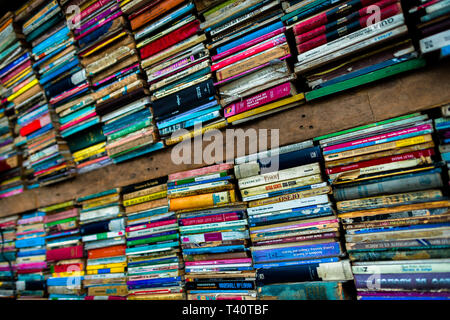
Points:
(221, 249)
(183, 186)
(33, 242)
(149, 213)
(191, 123)
(297, 252)
(250, 37)
(153, 281)
(139, 152)
(54, 73)
(420, 226)
(85, 125)
(293, 263)
(189, 115)
(40, 131)
(15, 63)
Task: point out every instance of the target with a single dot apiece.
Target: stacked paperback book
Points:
(431, 22)
(442, 126)
(153, 247)
(108, 53)
(249, 51)
(293, 228)
(31, 264)
(8, 256)
(214, 234)
(103, 235)
(344, 44)
(176, 64)
(64, 251)
(388, 188)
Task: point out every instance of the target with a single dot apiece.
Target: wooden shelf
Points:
(403, 94)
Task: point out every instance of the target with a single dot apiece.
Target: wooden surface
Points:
(403, 94)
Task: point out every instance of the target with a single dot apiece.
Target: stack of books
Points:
(249, 51)
(80, 123)
(103, 235)
(344, 44)
(293, 228)
(108, 52)
(53, 58)
(153, 247)
(8, 257)
(31, 264)
(431, 24)
(214, 234)
(442, 126)
(389, 192)
(64, 251)
(175, 61)
(11, 182)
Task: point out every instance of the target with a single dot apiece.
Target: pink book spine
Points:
(273, 94)
(379, 137)
(68, 93)
(214, 262)
(300, 225)
(219, 218)
(62, 215)
(18, 69)
(31, 220)
(70, 124)
(248, 44)
(172, 67)
(35, 265)
(181, 68)
(11, 193)
(90, 9)
(29, 232)
(249, 71)
(114, 75)
(101, 23)
(200, 171)
(151, 225)
(249, 52)
(6, 268)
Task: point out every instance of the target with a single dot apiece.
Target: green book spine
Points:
(100, 194)
(366, 78)
(152, 240)
(193, 179)
(331, 135)
(130, 129)
(57, 206)
(54, 223)
(220, 6)
(86, 139)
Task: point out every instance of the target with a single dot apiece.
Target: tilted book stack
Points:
(249, 50)
(214, 234)
(65, 255)
(431, 25)
(52, 59)
(394, 209)
(442, 126)
(31, 264)
(293, 227)
(155, 265)
(346, 43)
(103, 235)
(8, 256)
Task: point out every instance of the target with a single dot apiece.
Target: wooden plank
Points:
(388, 98)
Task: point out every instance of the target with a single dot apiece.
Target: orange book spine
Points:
(153, 13)
(202, 200)
(107, 252)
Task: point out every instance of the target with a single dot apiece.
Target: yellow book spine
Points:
(90, 154)
(68, 274)
(150, 197)
(202, 200)
(17, 77)
(106, 266)
(277, 104)
(190, 135)
(83, 152)
(22, 90)
(111, 270)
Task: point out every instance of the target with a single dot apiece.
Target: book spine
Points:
(158, 45)
(349, 205)
(210, 219)
(252, 62)
(300, 171)
(214, 262)
(156, 11)
(408, 184)
(144, 192)
(147, 205)
(106, 252)
(150, 225)
(203, 200)
(273, 94)
(65, 253)
(291, 196)
(320, 236)
(421, 281)
(298, 203)
(304, 291)
(200, 171)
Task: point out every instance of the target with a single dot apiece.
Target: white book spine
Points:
(435, 42)
(298, 203)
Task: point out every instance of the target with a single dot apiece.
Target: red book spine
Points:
(65, 253)
(16, 71)
(70, 267)
(212, 219)
(172, 38)
(270, 95)
(61, 215)
(380, 161)
(35, 125)
(151, 225)
(250, 52)
(330, 15)
(113, 251)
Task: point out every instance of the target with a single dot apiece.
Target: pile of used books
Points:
(214, 234)
(103, 235)
(249, 51)
(293, 227)
(343, 44)
(8, 256)
(153, 247)
(64, 251)
(442, 126)
(31, 264)
(388, 189)
(108, 53)
(431, 25)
